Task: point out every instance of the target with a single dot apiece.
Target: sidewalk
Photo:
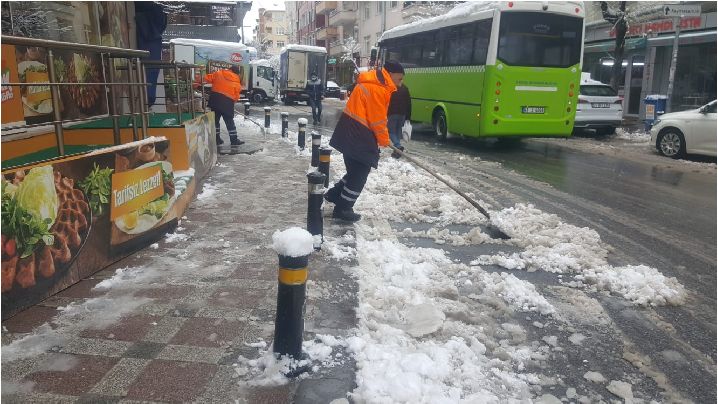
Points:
(170, 323)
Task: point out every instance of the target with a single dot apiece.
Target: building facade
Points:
(648, 53)
(271, 33)
(218, 20)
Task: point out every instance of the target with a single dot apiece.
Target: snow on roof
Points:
(471, 11)
(261, 62)
(304, 48)
(207, 42)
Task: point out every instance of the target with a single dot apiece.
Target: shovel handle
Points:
(440, 178)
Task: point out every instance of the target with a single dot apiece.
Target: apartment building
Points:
(271, 32)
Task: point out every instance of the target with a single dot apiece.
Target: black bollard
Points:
(315, 222)
(316, 142)
(246, 109)
(267, 116)
(302, 133)
(325, 156)
(285, 124)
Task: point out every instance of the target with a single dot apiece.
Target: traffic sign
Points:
(682, 10)
(332, 61)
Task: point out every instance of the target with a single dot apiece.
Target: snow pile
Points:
(443, 236)
(208, 190)
(128, 277)
(519, 294)
(637, 136)
(293, 242)
(640, 284)
(338, 248)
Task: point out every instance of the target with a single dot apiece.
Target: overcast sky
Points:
(250, 20)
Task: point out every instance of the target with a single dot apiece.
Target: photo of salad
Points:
(46, 221)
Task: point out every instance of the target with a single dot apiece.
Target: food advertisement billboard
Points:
(202, 144)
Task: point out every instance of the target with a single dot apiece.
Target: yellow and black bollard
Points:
(293, 247)
(316, 143)
(267, 116)
(315, 196)
(325, 157)
(285, 124)
(246, 109)
(302, 133)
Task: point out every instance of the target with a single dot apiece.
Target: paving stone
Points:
(192, 353)
(83, 289)
(165, 329)
(84, 373)
(208, 332)
(57, 301)
(164, 380)
(229, 314)
(223, 388)
(183, 311)
(97, 399)
(156, 309)
(236, 297)
(93, 346)
(130, 328)
(27, 320)
(144, 350)
(165, 293)
(118, 379)
(38, 398)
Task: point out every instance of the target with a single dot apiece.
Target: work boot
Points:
(329, 197)
(397, 155)
(219, 141)
(346, 214)
(234, 141)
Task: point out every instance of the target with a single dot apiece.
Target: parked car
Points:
(332, 90)
(599, 107)
(687, 132)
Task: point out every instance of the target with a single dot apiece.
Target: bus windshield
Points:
(539, 39)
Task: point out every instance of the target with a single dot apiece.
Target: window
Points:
(481, 44)
(393, 4)
(280, 44)
(366, 12)
(459, 45)
(268, 30)
(367, 46)
(431, 52)
(379, 7)
(601, 91)
(544, 40)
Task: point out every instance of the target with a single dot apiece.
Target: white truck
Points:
(296, 64)
(257, 76)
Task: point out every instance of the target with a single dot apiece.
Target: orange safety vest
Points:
(225, 82)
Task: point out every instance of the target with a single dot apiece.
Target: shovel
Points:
(493, 231)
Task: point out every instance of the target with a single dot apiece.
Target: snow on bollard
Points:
(315, 222)
(246, 109)
(316, 143)
(302, 133)
(285, 124)
(267, 116)
(293, 247)
(325, 157)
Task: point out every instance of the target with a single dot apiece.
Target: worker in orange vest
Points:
(359, 133)
(226, 89)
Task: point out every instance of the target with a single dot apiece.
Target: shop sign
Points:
(660, 26)
(222, 13)
(332, 61)
(681, 10)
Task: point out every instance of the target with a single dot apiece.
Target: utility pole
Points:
(674, 62)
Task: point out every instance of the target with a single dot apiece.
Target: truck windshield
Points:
(540, 39)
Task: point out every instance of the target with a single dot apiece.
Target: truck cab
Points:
(262, 81)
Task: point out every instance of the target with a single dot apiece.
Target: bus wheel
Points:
(440, 126)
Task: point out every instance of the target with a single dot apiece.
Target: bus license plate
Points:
(533, 110)
(600, 105)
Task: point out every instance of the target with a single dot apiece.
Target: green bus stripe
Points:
(450, 102)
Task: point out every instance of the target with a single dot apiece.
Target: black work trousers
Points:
(345, 192)
(223, 107)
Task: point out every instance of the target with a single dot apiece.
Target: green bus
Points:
(493, 69)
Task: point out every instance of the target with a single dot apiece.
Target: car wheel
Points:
(440, 124)
(609, 130)
(671, 143)
(257, 97)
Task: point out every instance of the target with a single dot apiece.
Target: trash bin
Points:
(655, 107)
(343, 95)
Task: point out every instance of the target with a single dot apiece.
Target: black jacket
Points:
(400, 103)
(315, 89)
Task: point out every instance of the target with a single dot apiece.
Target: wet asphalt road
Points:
(649, 209)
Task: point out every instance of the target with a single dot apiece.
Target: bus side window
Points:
(431, 50)
(481, 44)
(459, 45)
(411, 54)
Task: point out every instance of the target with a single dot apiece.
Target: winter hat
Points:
(393, 67)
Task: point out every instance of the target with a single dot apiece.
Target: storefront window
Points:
(56, 20)
(695, 77)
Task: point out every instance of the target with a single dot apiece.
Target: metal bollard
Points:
(292, 278)
(285, 124)
(267, 116)
(315, 222)
(302, 133)
(316, 142)
(246, 109)
(325, 156)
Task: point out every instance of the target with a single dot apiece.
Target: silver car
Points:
(687, 132)
(599, 108)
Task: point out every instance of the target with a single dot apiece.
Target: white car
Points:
(687, 132)
(599, 108)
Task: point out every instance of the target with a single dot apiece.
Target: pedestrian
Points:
(399, 112)
(359, 132)
(226, 89)
(315, 90)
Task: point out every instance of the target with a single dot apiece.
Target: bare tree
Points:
(617, 17)
(350, 47)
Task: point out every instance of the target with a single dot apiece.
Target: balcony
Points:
(342, 17)
(325, 6)
(336, 49)
(327, 33)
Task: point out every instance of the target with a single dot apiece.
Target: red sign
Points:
(660, 26)
(236, 58)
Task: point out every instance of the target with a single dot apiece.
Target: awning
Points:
(610, 45)
(687, 38)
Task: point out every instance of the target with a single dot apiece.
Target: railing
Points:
(183, 91)
(137, 99)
